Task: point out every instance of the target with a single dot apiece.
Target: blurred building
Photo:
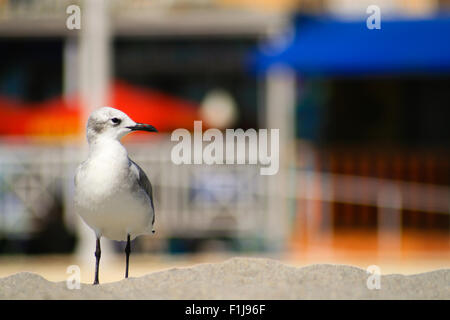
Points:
(154, 60)
(369, 109)
(365, 161)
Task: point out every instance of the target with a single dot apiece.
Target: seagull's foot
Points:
(95, 283)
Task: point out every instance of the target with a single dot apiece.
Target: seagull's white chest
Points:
(106, 196)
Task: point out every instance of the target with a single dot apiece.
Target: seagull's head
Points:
(111, 123)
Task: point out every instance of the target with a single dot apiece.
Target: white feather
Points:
(108, 195)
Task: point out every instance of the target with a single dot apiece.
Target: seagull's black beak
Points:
(143, 127)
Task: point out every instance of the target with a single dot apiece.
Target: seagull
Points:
(112, 193)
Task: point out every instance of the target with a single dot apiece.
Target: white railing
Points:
(189, 199)
(198, 200)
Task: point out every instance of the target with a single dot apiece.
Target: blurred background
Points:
(363, 118)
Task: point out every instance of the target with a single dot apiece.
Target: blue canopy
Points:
(332, 47)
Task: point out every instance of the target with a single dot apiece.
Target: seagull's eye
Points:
(115, 120)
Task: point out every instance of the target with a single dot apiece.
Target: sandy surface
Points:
(240, 278)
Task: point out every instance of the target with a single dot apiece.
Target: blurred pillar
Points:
(325, 215)
(94, 78)
(280, 106)
(317, 216)
(389, 221)
(95, 55)
(71, 67)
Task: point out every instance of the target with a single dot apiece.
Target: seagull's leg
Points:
(127, 252)
(98, 254)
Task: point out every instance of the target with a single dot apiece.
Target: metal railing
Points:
(198, 200)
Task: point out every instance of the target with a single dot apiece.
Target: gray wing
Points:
(77, 172)
(144, 183)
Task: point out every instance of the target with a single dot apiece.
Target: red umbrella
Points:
(164, 112)
(60, 117)
(54, 117)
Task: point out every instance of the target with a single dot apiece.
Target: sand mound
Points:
(240, 278)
